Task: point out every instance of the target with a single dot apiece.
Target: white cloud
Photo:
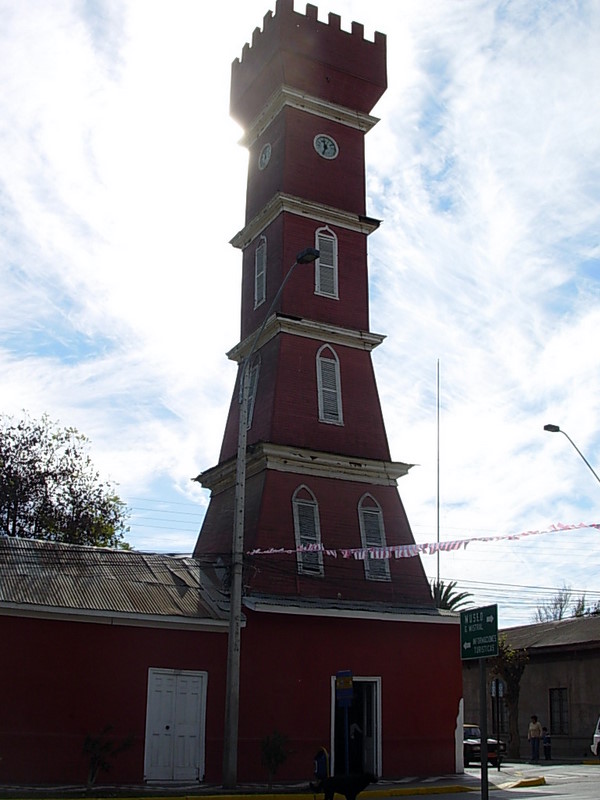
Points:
(125, 183)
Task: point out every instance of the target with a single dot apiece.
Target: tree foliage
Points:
(101, 751)
(273, 753)
(509, 664)
(580, 609)
(49, 488)
(555, 608)
(562, 606)
(446, 596)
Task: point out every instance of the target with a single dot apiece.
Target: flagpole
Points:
(438, 467)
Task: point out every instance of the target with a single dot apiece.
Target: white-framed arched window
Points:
(307, 531)
(260, 272)
(326, 266)
(372, 534)
(329, 386)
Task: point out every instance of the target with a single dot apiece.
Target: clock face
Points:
(326, 146)
(264, 156)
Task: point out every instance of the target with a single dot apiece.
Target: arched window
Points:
(326, 267)
(372, 534)
(307, 530)
(254, 372)
(260, 272)
(328, 386)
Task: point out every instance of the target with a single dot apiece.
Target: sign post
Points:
(344, 694)
(479, 639)
(497, 691)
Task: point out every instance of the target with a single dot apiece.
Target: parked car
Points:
(595, 745)
(472, 746)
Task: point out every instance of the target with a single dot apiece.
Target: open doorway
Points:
(356, 734)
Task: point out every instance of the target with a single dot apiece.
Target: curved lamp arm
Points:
(556, 429)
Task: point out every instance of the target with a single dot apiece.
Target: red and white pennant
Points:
(412, 550)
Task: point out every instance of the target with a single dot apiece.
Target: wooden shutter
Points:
(326, 273)
(329, 390)
(373, 536)
(308, 534)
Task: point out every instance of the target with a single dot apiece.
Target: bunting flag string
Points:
(412, 550)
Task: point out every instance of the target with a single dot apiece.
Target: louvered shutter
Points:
(327, 265)
(329, 390)
(372, 526)
(308, 534)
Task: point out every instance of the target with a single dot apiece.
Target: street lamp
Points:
(556, 429)
(232, 690)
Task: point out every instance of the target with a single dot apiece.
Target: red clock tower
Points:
(320, 480)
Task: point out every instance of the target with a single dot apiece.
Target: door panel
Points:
(188, 707)
(175, 720)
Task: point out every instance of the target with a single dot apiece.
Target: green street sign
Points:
(479, 632)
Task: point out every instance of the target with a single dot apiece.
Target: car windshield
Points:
(471, 732)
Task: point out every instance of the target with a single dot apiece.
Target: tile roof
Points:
(54, 576)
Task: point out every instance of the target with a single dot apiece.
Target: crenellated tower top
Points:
(316, 58)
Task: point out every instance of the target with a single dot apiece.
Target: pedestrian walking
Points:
(534, 734)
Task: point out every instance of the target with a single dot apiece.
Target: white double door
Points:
(175, 725)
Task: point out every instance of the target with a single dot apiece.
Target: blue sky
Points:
(122, 182)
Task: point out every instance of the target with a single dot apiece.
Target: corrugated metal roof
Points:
(98, 579)
(575, 631)
(341, 607)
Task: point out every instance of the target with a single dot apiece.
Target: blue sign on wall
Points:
(344, 691)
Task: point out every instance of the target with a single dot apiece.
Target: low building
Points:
(559, 684)
(105, 647)
(127, 651)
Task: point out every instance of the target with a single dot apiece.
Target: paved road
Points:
(561, 781)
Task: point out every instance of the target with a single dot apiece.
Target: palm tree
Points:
(446, 596)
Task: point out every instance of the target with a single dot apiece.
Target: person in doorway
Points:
(356, 748)
(547, 744)
(534, 734)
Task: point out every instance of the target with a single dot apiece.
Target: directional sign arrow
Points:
(479, 632)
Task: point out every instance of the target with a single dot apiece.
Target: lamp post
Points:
(232, 690)
(556, 429)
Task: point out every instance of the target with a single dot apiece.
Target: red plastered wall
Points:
(65, 680)
(421, 685)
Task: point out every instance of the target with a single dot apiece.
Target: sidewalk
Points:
(509, 776)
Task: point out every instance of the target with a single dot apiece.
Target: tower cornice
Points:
(309, 329)
(281, 202)
(303, 461)
(287, 96)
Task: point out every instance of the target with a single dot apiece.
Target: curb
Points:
(400, 791)
(413, 789)
(522, 783)
(391, 792)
